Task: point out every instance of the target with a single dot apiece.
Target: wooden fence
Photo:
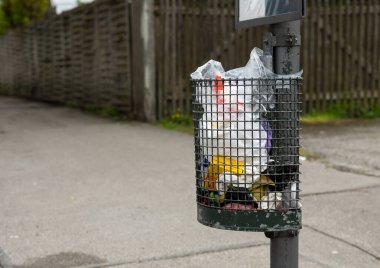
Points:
(136, 56)
(80, 57)
(340, 50)
(341, 54)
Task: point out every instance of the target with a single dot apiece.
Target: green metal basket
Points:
(247, 153)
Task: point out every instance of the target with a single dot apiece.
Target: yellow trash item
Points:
(221, 164)
(261, 187)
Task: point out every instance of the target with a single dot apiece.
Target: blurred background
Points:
(85, 56)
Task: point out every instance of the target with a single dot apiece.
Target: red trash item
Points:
(218, 88)
(236, 206)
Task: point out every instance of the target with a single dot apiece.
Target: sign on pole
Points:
(260, 12)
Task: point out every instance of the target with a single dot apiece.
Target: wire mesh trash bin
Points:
(247, 153)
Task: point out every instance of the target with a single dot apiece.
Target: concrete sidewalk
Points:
(348, 146)
(77, 190)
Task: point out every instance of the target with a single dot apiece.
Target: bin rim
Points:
(250, 221)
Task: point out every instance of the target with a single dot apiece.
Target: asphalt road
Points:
(81, 191)
(350, 146)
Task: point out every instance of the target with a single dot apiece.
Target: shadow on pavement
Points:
(62, 260)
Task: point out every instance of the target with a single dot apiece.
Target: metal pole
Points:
(283, 249)
(287, 47)
(286, 60)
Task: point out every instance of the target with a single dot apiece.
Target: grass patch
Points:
(310, 155)
(319, 118)
(342, 112)
(108, 112)
(178, 121)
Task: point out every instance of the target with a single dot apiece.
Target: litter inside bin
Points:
(272, 201)
(235, 136)
(262, 188)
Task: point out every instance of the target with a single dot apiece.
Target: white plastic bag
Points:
(231, 124)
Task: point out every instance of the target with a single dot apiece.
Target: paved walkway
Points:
(82, 191)
(348, 146)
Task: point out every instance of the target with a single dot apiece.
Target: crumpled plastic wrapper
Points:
(272, 201)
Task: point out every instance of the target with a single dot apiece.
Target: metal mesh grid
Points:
(247, 143)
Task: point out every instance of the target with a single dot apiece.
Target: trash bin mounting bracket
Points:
(287, 40)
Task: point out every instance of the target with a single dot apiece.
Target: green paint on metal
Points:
(250, 221)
